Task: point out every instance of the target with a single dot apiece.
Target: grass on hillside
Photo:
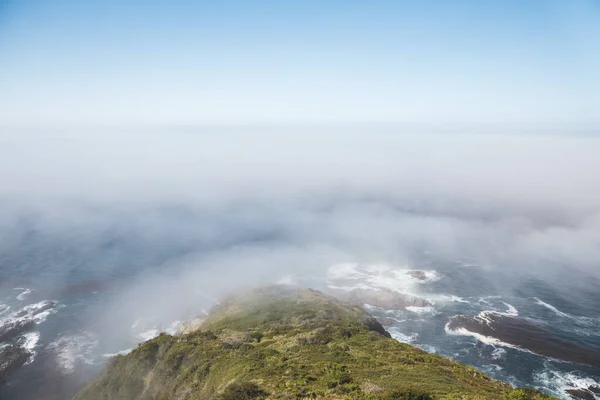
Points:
(275, 343)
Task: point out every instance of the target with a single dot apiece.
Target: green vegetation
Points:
(278, 343)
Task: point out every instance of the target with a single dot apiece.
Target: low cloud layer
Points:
(203, 212)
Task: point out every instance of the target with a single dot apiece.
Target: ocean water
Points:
(87, 288)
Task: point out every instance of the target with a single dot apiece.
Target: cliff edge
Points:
(283, 343)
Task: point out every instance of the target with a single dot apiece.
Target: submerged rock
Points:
(581, 394)
(588, 393)
(283, 343)
(525, 334)
(12, 357)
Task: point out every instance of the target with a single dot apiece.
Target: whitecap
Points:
(498, 353)
(427, 347)
(29, 341)
(349, 276)
(488, 340)
(585, 321)
(446, 298)
(144, 329)
(457, 299)
(550, 307)
(23, 294)
(37, 312)
(344, 271)
(370, 308)
(431, 276)
(512, 311)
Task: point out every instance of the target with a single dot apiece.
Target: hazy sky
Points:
(193, 62)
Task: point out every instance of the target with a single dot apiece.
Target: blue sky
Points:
(195, 62)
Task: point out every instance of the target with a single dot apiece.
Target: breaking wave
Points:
(560, 383)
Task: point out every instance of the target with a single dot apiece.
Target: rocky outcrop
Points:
(13, 329)
(284, 343)
(417, 274)
(12, 353)
(12, 357)
(386, 299)
(589, 393)
(34, 309)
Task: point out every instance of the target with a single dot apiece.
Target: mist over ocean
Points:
(108, 239)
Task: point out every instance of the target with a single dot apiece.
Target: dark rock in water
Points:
(11, 359)
(11, 330)
(581, 394)
(33, 311)
(527, 335)
(417, 274)
(594, 389)
(23, 320)
(386, 299)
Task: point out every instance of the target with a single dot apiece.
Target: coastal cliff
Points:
(279, 342)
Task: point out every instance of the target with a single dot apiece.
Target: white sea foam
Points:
(498, 353)
(4, 309)
(350, 276)
(550, 307)
(485, 300)
(513, 312)
(489, 340)
(558, 382)
(70, 350)
(428, 310)
(23, 294)
(143, 329)
(29, 341)
(580, 320)
(454, 298)
(30, 312)
(431, 276)
(401, 336)
(427, 347)
(370, 308)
